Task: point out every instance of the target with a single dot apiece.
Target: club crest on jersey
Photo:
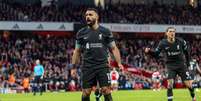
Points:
(178, 47)
(87, 46)
(100, 36)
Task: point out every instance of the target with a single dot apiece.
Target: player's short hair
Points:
(169, 28)
(92, 9)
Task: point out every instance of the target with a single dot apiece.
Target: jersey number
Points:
(191, 67)
(108, 76)
(188, 75)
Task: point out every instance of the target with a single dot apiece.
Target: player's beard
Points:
(91, 22)
(172, 38)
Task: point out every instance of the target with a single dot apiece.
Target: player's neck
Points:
(171, 40)
(95, 26)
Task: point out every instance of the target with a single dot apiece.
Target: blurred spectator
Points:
(121, 13)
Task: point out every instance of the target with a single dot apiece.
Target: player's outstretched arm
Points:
(117, 55)
(75, 60)
(76, 56)
(186, 53)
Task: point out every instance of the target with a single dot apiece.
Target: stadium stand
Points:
(121, 13)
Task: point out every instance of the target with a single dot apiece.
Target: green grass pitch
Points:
(125, 95)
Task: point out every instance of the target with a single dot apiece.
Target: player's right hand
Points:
(73, 72)
(147, 50)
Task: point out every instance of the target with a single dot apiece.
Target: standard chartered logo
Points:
(173, 53)
(94, 45)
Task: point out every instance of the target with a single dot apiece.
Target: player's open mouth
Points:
(88, 20)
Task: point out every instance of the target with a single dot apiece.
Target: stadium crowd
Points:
(121, 13)
(18, 53)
